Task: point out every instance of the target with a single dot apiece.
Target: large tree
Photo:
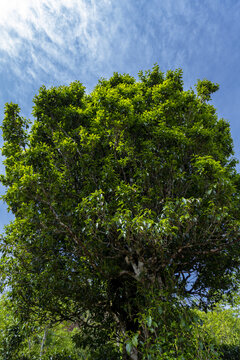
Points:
(121, 197)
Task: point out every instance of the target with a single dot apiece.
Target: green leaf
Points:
(149, 321)
(128, 347)
(135, 340)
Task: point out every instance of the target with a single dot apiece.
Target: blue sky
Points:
(54, 42)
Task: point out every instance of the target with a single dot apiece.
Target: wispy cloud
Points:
(54, 41)
(47, 37)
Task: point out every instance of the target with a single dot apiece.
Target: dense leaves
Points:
(22, 341)
(129, 191)
(222, 328)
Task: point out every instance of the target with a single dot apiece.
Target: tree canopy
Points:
(121, 197)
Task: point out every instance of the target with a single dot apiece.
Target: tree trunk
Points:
(134, 354)
(43, 342)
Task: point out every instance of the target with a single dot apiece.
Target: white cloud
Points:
(41, 34)
(57, 41)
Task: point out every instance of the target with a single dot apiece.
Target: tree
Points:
(23, 342)
(222, 328)
(122, 198)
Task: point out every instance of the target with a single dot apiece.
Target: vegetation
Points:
(222, 329)
(217, 331)
(35, 342)
(126, 205)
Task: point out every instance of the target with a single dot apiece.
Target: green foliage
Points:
(22, 341)
(205, 88)
(221, 327)
(172, 331)
(119, 195)
(229, 352)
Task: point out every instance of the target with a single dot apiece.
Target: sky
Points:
(54, 42)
